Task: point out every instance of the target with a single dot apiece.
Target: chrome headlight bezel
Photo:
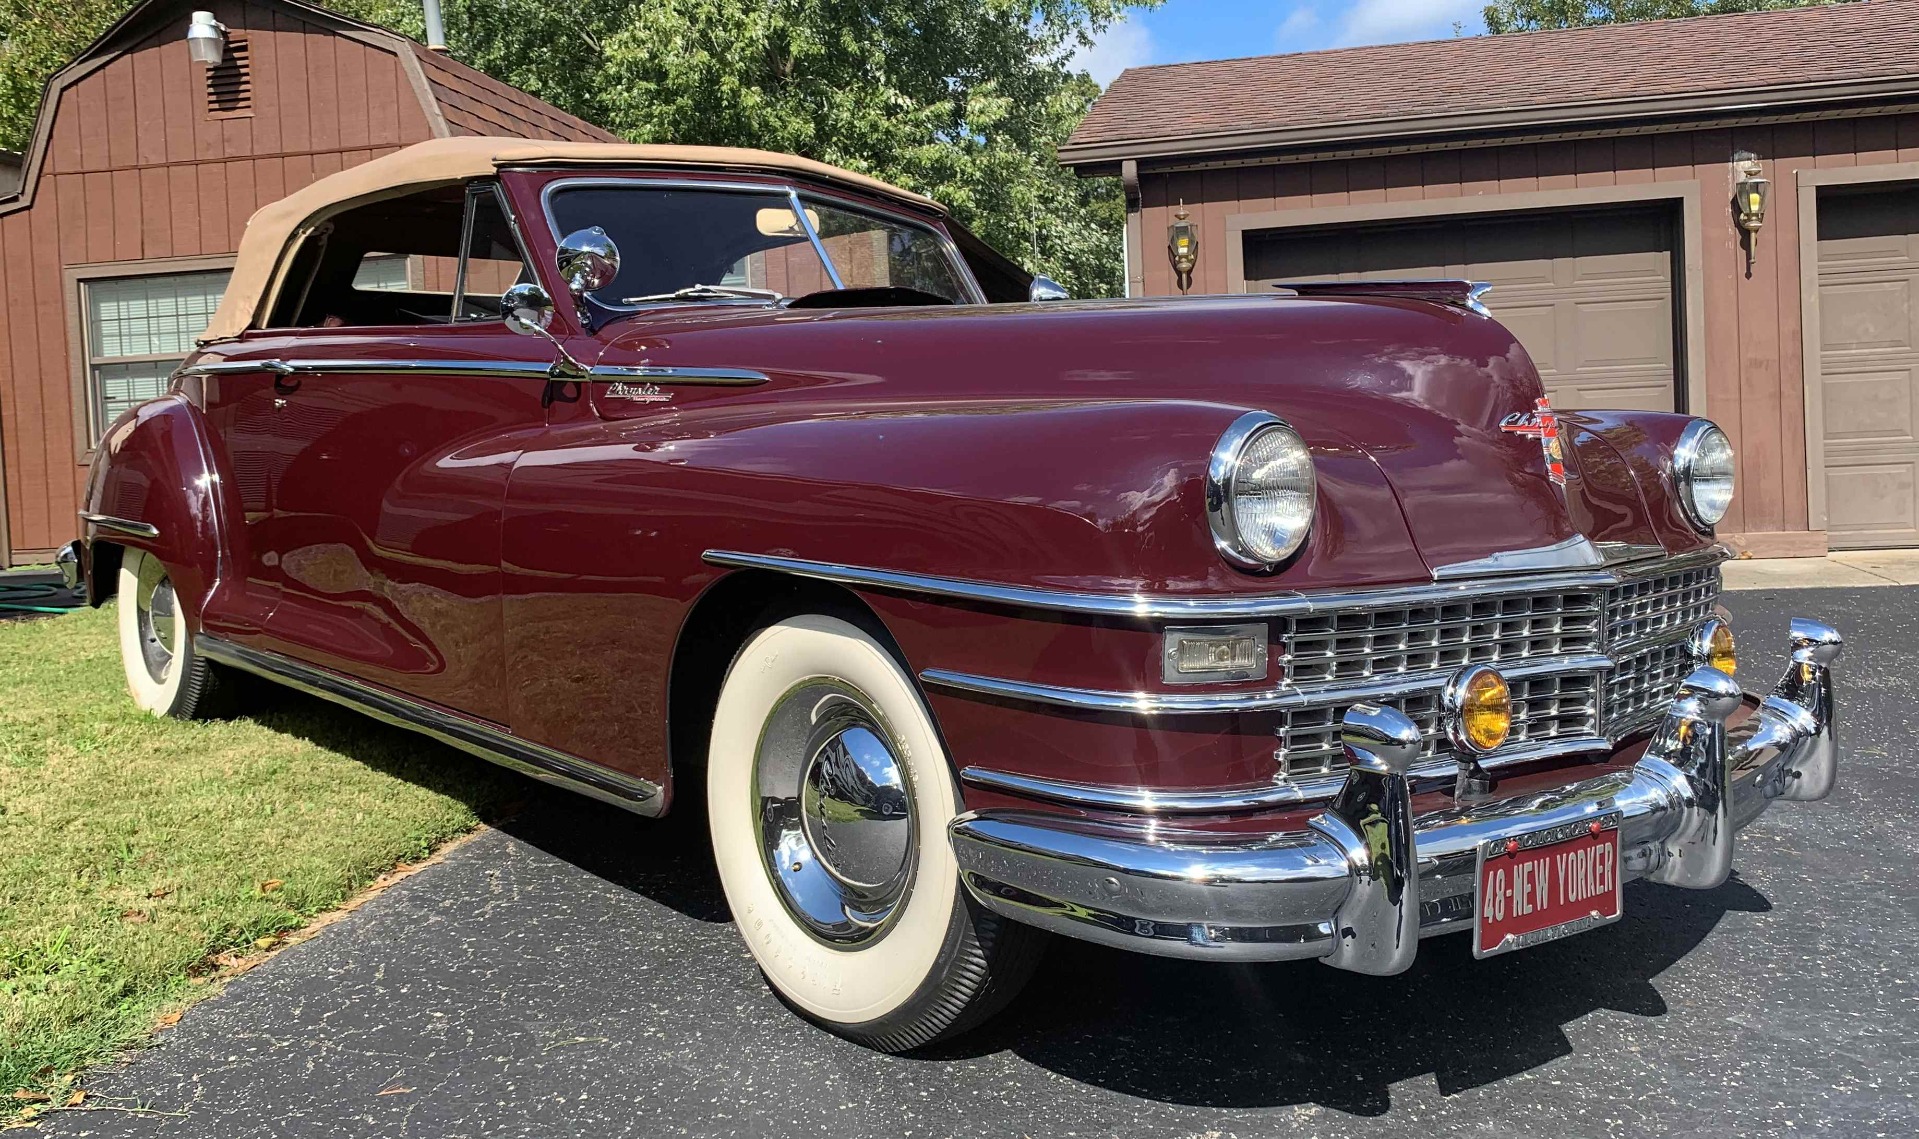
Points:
(1222, 471)
(1685, 460)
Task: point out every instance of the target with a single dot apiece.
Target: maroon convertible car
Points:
(1230, 628)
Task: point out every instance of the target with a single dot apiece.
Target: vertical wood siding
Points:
(1754, 386)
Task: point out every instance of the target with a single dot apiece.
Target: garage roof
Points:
(1580, 75)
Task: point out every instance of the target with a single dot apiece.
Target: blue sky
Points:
(1183, 30)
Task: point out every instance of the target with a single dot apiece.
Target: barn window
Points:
(230, 81)
(138, 329)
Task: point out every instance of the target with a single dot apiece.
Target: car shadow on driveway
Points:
(1254, 1036)
(1180, 1032)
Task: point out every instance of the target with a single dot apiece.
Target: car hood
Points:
(1423, 391)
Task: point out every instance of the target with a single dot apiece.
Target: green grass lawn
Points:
(134, 851)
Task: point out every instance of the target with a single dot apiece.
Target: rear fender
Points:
(155, 470)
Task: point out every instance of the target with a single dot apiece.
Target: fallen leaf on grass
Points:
(393, 1091)
(271, 884)
(134, 917)
(263, 942)
(78, 1097)
(168, 1019)
(161, 891)
(28, 1095)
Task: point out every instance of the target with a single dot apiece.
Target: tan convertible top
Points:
(448, 161)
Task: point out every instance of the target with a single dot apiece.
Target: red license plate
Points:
(1547, 884)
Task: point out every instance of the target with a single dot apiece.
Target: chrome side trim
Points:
(120, 525)
(530, 368)
(1260, 700)
(1251, 796)
(469, 735)
(1163, 607)
(741, 377)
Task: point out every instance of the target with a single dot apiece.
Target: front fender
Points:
(155, 468)
(1646, 441)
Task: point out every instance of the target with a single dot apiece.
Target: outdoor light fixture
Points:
(1182, 246)
(1749, 201)
(206, 39)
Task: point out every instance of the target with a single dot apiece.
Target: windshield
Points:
(698, 244)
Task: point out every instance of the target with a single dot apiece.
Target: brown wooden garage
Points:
(1869, 362)
(1589, 293)
(1589, 174)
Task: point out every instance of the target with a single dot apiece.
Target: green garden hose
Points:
(16, 596)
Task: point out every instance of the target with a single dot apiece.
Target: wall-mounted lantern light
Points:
(206, 39)
(1182, 247)
(1750, 193)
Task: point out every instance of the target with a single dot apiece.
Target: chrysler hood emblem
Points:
(1542, 423)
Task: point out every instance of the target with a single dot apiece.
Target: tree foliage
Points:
(1532, 15)
(964, 100)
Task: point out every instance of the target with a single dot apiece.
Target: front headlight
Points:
(1260, 491)
(1702, 470)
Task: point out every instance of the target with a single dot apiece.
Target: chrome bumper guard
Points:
(68, 561)
(1365, 880)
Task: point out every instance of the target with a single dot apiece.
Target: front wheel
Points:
(828, 795)
(165, 674)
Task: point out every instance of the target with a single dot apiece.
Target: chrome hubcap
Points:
(836, 814)
(155, 606)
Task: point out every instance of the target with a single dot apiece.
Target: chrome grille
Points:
(1668, 603)
(1360, 644)
(1544, 708)
(1639, 688)
(1643, 623)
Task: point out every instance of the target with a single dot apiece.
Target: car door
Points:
(398, 443)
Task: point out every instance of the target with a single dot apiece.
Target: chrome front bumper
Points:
(1366, 879)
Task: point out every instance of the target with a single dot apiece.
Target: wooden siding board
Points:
(116, 83)
(1366, 180)
(28, 448)
(180, 98)
(63, 147)
(156, 228)
(1479, 172)
(1763, 485)
(242, 199)
(213, 208)
(149, 105)
(323, 88)
(99, 211)
(350, 61)
(66, 195)
(1633, 160)
(289, 82)
(1518, 169)
(1405, 178)
(183, 202)
(90, 103)
(385, 87)
(269, 113)
(129, 227)
(55, 386)
(1556, 167)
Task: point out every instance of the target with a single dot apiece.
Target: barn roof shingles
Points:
(1491, 76)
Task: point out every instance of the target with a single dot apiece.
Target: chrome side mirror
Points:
(1047, 289)
(527, 309)
(588, 260)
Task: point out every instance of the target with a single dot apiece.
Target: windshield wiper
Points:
(708, 293)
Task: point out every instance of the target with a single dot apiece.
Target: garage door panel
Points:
(1589, 294)
(1635, 332)
(1869, 365)
(1874, 407)
(1858, 315)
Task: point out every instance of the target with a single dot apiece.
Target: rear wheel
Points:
(828, 795)
(166, 676)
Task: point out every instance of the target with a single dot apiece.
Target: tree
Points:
(1533, 15)
(964, 100)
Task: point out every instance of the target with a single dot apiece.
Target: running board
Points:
(469, 735)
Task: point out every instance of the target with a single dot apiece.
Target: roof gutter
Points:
(1333, 135)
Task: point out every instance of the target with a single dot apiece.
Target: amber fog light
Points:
(1713, 644)
(1220, 652)
(1479, 709)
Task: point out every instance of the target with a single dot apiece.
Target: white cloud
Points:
(1122, 45)
(1300, 23)
(1396, 21)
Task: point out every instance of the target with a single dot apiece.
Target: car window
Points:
(873, 252)
(398, 262)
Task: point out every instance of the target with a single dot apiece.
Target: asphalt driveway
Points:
(575, 974)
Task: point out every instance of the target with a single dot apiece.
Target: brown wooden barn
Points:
(1591, 175)
(142, 172)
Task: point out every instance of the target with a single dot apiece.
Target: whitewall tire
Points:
(828, 797)
(164, 673)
